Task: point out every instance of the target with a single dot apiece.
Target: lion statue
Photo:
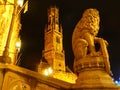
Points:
(84, 38)
(85, 33)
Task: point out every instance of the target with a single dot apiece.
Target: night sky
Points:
(34, 21)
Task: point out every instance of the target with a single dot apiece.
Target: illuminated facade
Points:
(9, 23)
(53, 41)
(53, 48)
(13, 77)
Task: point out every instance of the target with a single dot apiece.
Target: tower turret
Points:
(53, 41)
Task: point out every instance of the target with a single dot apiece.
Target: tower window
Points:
(49, 22)
(60, 65)
(57, 39)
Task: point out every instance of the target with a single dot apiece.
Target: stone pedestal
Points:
(92, 75)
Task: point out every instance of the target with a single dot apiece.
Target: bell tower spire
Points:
(53, 41)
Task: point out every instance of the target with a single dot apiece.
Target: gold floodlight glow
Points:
(48, 71)
(18, 44)
(20, 2)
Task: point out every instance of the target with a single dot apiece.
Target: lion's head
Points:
(90, 20)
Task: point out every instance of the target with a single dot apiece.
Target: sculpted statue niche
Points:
(85, 40)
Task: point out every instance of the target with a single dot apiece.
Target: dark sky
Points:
(34, 21)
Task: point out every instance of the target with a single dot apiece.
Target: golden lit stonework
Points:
(53, 52)
(91, 63)
(9, 31)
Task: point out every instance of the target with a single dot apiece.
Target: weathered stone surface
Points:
(17, 78)
(53, 52)
(9, 22)
(53, 41)
(91, 63)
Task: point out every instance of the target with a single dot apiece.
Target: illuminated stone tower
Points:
(53, 41)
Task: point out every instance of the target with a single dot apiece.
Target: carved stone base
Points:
(92, 75)
(95, 79)
(89, 63)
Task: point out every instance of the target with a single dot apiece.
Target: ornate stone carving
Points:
(84, 40)
(91, 62)
(2, 22)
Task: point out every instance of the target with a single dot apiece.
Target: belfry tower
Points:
(53, 41)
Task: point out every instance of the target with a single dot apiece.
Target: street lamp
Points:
(16, 11)
(18, 45)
